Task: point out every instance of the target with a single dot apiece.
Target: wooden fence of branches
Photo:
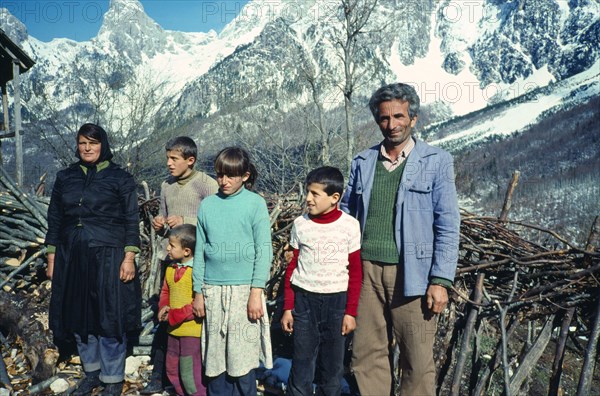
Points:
(518, 287)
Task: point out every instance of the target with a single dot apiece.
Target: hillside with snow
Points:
(466, 55)
(551, 135)
(130, 35)
(516, 115)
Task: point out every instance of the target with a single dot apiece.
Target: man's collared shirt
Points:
(390, 164)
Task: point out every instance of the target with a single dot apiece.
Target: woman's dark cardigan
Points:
(92, 218)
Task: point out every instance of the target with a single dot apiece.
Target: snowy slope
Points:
(465, 54)
(512, 117)
(135, 40)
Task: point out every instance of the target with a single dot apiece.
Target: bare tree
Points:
(350, 36)
(142, 115)
(354, 17)
(311, 77)
(122, 101)
(281, 157)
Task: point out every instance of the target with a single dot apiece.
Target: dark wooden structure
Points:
(13, 63)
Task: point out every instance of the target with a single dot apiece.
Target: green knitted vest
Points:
(378, 242)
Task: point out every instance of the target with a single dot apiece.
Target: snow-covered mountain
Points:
(129, 39)
(465, 54)
(514, 116)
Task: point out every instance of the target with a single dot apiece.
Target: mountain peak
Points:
(129, 29)
(12, 27)
(124, 14)
(134, 5)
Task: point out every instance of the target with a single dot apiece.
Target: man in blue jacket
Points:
(402, 192)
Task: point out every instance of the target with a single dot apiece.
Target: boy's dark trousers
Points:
(159, 344)
(318, 343)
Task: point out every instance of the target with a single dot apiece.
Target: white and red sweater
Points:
(326, 257)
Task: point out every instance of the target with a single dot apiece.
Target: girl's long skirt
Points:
(230, 341)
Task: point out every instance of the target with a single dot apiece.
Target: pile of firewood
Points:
(24, 226)
(506, 285)
(512, 279)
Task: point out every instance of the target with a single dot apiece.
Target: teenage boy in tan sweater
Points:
(180, 196)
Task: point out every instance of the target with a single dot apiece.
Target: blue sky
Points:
(81, 19)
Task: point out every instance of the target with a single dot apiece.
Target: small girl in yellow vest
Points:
(184, 362)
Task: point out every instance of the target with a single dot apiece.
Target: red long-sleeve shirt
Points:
(354, 270)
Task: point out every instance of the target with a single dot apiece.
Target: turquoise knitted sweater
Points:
(233, 241)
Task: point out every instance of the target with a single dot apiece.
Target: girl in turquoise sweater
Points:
(231, 267)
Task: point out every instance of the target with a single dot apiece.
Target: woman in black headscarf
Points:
(93, 236)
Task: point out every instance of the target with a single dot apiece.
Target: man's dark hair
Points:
(401, 91)
(185, 145)
(185, 234)
(329, 176)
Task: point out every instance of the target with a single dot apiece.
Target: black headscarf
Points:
(96, 132)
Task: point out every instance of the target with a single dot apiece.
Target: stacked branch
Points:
(510, 276)
(521, 285)
(24, 226)
(283, 211)
(535, 279)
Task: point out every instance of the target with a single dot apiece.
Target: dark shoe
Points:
(112, 389)
(154, 386)
(88, 383)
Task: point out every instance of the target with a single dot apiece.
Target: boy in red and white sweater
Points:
(322, 286)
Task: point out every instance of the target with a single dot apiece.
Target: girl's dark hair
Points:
(185, 234)
(93, 131)
(235, 161)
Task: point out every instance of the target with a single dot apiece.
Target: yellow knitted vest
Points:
(181, 294)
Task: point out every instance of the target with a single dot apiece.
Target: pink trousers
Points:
(184, 365)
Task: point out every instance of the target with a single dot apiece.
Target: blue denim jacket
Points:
(427, 231)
